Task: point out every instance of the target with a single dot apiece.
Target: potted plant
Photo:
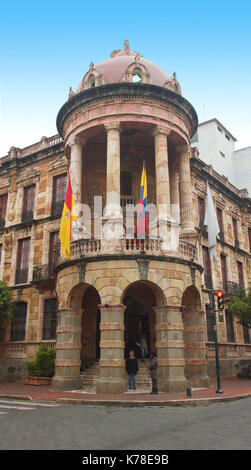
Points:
(42, 368)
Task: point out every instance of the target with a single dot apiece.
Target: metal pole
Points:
(216, 342)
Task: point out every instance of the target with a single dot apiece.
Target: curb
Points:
(138, 403)
(16, 397)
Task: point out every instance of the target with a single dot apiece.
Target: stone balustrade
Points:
(152, 247)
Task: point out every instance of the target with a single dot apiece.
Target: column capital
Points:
(183, 148)
(161, 130)
(113, 125)
(76, 140)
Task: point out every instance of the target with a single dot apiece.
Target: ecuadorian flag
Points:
(142, 222)
(68, 216)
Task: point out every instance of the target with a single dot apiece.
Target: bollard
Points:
(189, 392)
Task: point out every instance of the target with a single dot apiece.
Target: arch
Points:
(76, 294)
(158, 293)
(140, 298)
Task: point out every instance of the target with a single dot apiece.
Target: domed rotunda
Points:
(125, 114)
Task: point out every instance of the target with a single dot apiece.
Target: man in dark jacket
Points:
(153, 365)
(132, 369)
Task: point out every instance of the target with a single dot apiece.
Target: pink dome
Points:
(114, 70)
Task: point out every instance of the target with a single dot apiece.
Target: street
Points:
(29, 426)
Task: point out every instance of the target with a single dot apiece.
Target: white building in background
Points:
(216, 146)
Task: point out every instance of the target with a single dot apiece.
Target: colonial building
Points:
(92, 306)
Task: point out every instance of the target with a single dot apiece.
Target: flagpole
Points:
(213, 230)
(213, 309)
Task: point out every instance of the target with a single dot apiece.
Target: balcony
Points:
(90, 248)
(43, 274)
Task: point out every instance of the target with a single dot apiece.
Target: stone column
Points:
(170, 349)
(68, 347)
(113, 169)
(186, 201)
(195, 348)
(112, 364)
(162, 171)
(76, 144)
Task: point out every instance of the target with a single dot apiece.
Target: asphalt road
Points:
(222, 426)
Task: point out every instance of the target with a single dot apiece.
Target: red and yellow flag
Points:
(68, 216)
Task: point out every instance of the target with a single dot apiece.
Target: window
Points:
(223, 263)
(91, 81)
(235, 229)
(136, 76)
(201, 204)
(3, 207)
(210, 323)
(58, 195)
(246, 337)
(23, 255)
(220, 222)
(219, 129)
(207, 267)
(50, 319)
(53, 250)
(18, 323)
(227, 137)
(28, 203)
(222, 154)
(240, 273)
(126, 183)
(229, 327)
(249, 238)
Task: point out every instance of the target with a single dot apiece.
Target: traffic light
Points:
(220, 298)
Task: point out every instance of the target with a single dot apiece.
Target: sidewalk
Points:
(233, 388)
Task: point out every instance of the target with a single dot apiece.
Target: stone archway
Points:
(140, 298)
(194, 339)
(69, 336)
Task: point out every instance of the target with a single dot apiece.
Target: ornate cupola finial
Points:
(126, 46)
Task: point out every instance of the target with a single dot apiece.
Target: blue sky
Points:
(46, 47)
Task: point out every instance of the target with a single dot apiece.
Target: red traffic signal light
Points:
(220, 298)
(219, 294)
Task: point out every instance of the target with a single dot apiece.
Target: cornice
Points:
(127, 90)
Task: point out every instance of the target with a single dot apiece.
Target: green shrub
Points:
(44, 363)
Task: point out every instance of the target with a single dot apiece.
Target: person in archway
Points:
(153, 365)
(143, 345)
(132, 369)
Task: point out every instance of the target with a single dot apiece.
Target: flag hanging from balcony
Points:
(68, 216)
(142, 221)
(212, 225)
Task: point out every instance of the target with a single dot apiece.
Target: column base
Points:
(199, 381)
(67, 383)
(172, 385)
(105, 386)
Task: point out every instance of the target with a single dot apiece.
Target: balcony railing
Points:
(27, 216)
(44, 272)
(88, 248)
(22, 276)
(2, 224)
(57, 208)
(229, 288)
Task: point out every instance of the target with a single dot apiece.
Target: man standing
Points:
(132, 369)
(153, 365)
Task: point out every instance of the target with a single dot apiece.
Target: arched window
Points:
(18, 323)
(137, 76)
(91, 81)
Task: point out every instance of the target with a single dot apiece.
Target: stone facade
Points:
(110, 289)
